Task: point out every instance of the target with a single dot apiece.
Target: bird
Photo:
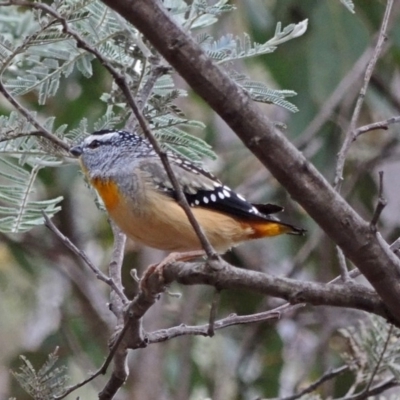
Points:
(130, 178)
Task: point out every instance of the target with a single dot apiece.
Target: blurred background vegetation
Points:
(49, 299)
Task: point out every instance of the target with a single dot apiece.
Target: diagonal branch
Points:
(374, 391)
(379, 362)
(351, 133)
(81, 254)
(313, 386)
(301, 179)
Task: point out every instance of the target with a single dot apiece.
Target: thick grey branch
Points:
(350, 295)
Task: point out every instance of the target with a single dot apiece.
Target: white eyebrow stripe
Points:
(101, 138)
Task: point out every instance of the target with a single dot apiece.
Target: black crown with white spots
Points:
(120, 138)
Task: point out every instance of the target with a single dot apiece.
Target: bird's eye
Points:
(94, 144)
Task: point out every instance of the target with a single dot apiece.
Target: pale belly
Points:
(163, 225)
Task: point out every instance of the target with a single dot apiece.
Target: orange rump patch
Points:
(108, 191)
(266, 229)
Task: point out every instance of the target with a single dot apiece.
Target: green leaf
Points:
(20, 210)
(349, 5)
(259, 92)
(45, 384)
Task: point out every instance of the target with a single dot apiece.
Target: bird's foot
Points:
(152, 281)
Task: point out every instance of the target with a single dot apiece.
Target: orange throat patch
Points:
(108, 191)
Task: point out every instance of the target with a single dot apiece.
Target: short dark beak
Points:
(76, 151)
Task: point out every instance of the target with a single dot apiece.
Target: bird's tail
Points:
(273, 228)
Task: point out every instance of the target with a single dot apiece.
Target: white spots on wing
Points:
(197, 202)
(221, 195)
(205, 200)
(213, 197)
(226, 193)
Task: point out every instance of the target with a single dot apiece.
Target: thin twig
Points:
(395, 247)
(333, 100)
(344, 272)
(42, 131)
(119, 353)
(25, 43)
(163, 335)
(376, 125)
(313, 386)
(387, 153)
(157, 69)
(381, 204)
(354, 273)
(378, 389)
(81, 254)
(7, 136)
(378, 364)
(213, 312)
(102, 370)
(114, 269)
(350, 135)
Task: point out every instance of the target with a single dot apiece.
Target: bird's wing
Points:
(202, 189)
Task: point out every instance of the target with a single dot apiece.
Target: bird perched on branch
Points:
(129, 176)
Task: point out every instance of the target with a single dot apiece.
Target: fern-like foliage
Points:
(199, 14)
(230, 47)
(373, 356)
(50, 54)
(374, 349)
(172, 137)
(349, 5)
(46, 383)
(37, 54)
(19, 210)
(259, 91)
(23, 155)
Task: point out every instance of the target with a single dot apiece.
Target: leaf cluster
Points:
(44, 384)
(373, 350)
